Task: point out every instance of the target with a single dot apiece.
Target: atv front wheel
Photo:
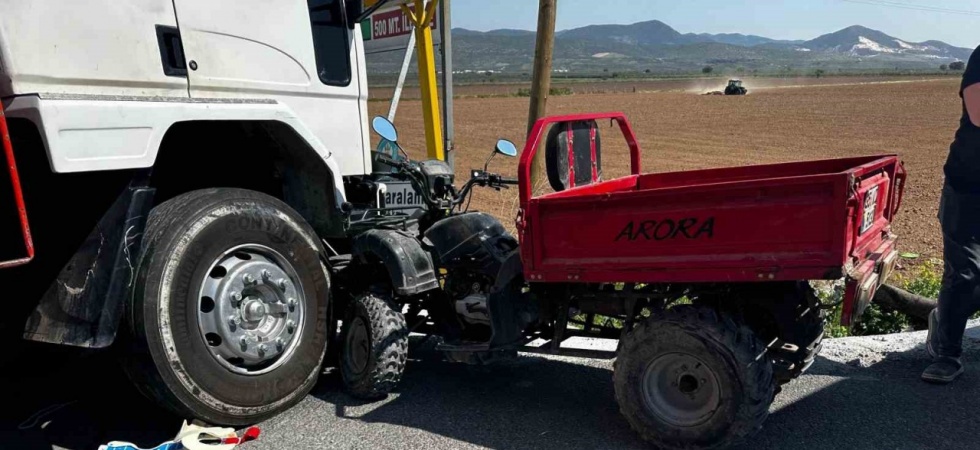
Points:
(375, 346)
(693, 378)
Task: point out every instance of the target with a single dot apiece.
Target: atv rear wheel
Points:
(693, 378)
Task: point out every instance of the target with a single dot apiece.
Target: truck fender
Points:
(409, 265)
(83, 306)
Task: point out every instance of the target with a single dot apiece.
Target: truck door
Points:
(297, 52)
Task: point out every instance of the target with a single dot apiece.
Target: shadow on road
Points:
(529, 403)
(68, 398)
(885, 405)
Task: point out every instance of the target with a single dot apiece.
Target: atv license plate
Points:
(401, 195)
(870, 209)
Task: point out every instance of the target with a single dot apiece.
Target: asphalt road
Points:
(865, 394)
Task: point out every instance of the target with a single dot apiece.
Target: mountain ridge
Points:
(654, 46)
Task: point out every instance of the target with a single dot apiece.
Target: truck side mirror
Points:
(354, 10)
(573, 154)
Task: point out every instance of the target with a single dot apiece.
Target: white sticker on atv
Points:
(870, 209)
(403, 195)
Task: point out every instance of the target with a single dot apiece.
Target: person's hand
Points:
(971, 97)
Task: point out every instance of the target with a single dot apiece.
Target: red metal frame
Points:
(531, 147)
(25, 228)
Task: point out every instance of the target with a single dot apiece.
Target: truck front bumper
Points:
(864, 280)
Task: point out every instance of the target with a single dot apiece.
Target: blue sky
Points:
(778, 19)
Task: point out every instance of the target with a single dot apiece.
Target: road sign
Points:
(388, 28)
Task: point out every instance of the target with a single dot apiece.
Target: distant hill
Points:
(864, 42)
(657, 47)
(653, 32)
(744, 40)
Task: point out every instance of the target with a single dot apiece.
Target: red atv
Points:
(702, 276)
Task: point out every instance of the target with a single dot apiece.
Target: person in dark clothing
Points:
(959, 215)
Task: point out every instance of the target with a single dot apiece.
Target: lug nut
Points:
(266, 275)
(262, 349)
(244, 342)
(279, 344)
(282, 283)
(234, 320)
(292, 304)
(290, 326)
(236, 298)
(248, 279)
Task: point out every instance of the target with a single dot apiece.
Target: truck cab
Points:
(136, 126)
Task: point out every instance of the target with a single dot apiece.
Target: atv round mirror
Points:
(506, 147)
(385, 129)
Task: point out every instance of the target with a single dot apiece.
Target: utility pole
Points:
(541, 77)
(543, 51)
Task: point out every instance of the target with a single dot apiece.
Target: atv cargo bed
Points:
(796, 221)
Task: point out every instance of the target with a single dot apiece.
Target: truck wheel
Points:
(692, 378)
(228, 319)
(375, 346)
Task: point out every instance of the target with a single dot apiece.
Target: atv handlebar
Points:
(478, 178)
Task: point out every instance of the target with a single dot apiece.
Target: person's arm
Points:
(971, 97)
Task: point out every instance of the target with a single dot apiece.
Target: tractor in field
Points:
(210, 206)
(735, 88)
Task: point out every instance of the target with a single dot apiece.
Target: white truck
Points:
(182, 164)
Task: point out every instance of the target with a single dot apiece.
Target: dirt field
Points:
(681, 131)
(612, 86)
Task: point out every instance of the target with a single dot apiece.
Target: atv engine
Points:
(469, 293)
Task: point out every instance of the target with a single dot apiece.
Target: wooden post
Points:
(543, 51)
(541, 77)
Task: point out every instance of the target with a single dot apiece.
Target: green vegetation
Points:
(553, 92)
(925, 281)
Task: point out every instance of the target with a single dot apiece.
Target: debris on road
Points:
(196, 437)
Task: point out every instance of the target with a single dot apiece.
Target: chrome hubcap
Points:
(251, 309)
(681, 390)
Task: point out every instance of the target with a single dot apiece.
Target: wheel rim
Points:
(358, 346)
(681, 390)
(251, 310)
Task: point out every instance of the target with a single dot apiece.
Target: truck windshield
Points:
(331, 41)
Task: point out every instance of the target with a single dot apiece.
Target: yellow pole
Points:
(422, 19)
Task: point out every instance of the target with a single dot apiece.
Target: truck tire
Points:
(693, 378)
(227, 323)
(375, 346)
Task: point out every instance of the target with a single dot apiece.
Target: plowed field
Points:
(683, 131)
